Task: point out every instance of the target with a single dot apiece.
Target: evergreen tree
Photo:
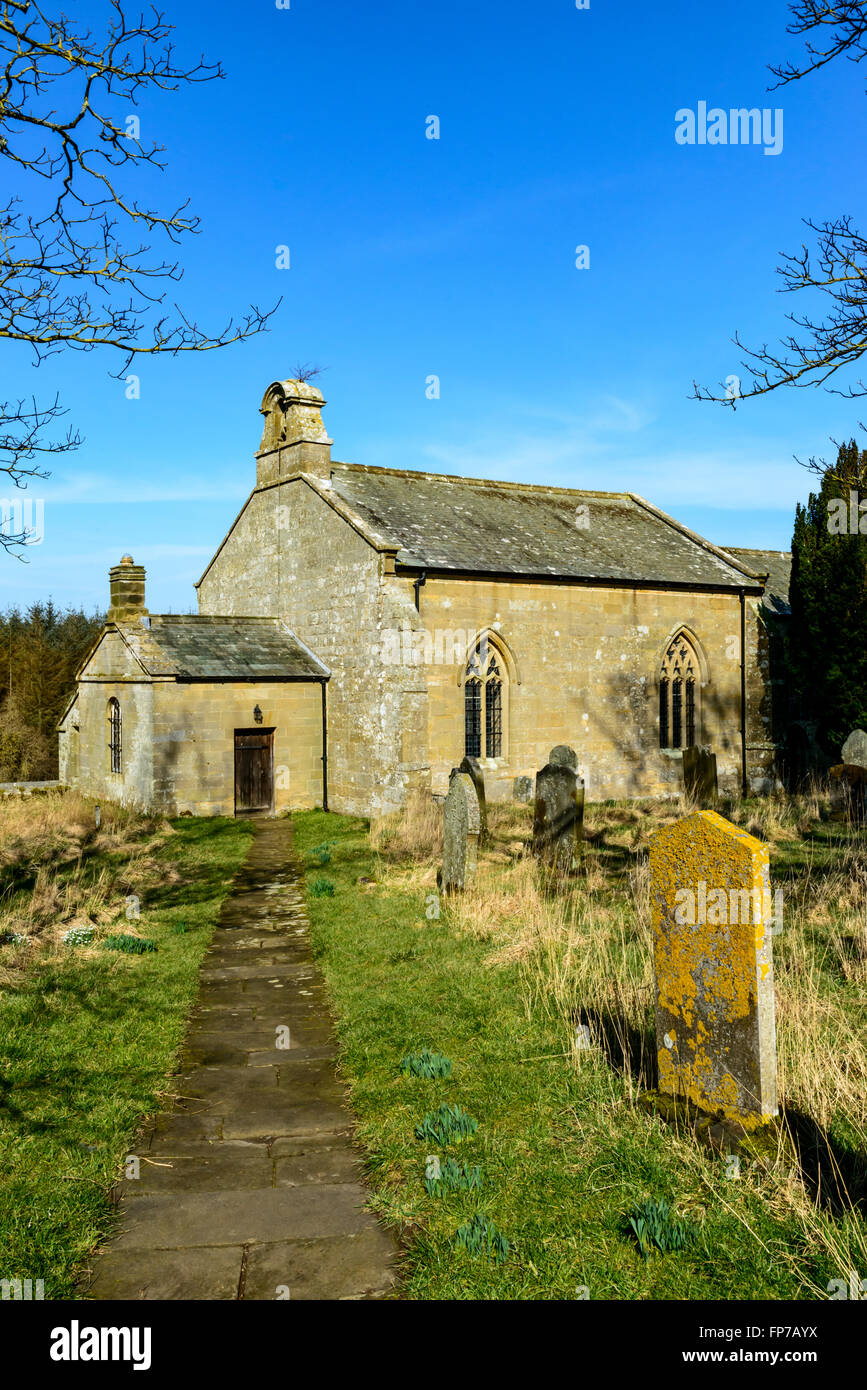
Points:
(828, 643)
(40, 651)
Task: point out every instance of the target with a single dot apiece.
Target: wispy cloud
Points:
(605, 451)
(102, 489)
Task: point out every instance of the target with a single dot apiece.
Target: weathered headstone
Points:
(461, 825)
(848, 783)
(558, 820)
(700, 777)
(522, 789)
(473, 767)
(564, 756)
(712, 934)
(855, 749)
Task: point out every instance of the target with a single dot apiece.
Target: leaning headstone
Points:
(564, 756)
(461, 824)
(712, 934)
(473, 767)
(522, 789)
(855, 749)
(700, 776)
(558, 820)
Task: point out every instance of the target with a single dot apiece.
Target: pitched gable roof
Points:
(200, 647)
(469, 525)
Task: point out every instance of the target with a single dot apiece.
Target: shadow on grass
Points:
(628, 1050)
(59, 1095)
(834, 1174)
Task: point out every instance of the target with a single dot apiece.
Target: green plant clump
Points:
(449, 1123)
(653, 1225)
(481, 1237)
(322, 888)
(426, 1064)
(454, 1177)
(132, 945)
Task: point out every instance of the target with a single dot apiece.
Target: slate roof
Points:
(777, 564)
(200, 647)
(472, 526)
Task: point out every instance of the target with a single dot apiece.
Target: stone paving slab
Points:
(178, 1220)
(251, 1184)
(262, 995)
(297, 1081)
(206, 1274)
(273, 1120)
(212, 1050)
(262, 970)
(352, 1267)
(205, 1168)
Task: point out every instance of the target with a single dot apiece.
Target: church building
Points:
(361, 629)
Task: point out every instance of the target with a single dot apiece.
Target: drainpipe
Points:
(416, 584)
(743, 694)
(324, 749)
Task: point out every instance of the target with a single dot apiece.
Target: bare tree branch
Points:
(71, 277)
(306, 371)
(840, 27)
(821, 347)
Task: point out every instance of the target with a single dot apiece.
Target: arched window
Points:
(483, 703)
(678, 695)
(114, 736)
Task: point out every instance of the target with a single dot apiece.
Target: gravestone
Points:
(558, 820)
(855, 749)
(699, 776)
(848, 784)
(564, 756)
(461, 825)
(473, 768)
(712, 934)
(522, 789)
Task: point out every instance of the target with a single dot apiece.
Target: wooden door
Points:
(254, 783)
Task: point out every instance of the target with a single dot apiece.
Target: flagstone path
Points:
(250, 1188)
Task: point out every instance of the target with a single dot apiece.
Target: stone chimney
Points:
(294, 438)
(127, 583)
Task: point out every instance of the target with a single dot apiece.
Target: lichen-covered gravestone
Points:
(558, 821)
(461, 825)
(700, 776)
(522, 789)
(855, 749)
(473, 768)
(712, 934)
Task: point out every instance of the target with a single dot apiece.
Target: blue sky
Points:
(456, 257)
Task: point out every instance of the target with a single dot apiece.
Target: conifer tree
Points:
(828, 641)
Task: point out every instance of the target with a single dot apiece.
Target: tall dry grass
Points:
(414, 835)
(58, 870)
(585, 953)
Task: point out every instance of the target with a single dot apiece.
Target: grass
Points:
(89, 1035)
(500, 981)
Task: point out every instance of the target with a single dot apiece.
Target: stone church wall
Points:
(290, 555)
(583, 666)
(84, 753)
(194, 743)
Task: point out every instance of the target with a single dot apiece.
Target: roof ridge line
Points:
(478, 482)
